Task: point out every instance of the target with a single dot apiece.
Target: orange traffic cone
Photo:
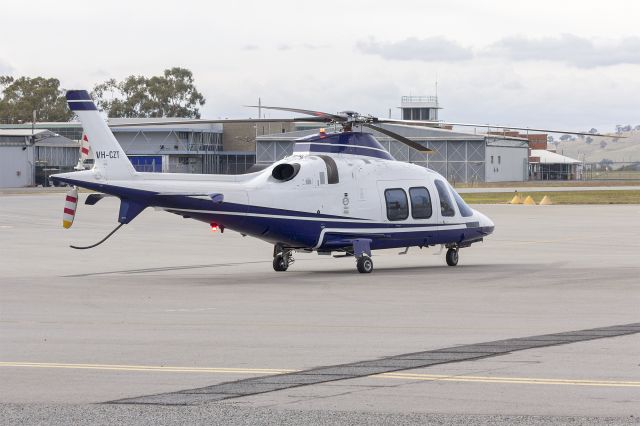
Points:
(516, 199)
(546, 201)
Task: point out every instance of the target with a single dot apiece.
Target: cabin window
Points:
(446, 204)
(397, 204)
(420, 203)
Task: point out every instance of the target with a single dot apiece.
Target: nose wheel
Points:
(452, 256)
(364, 264)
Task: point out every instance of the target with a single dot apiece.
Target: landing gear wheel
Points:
(280, 263)
(365, 265)
(452, 257)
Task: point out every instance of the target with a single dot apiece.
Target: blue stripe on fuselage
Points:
(311, 147)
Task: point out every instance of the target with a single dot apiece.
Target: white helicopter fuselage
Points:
(337, 192)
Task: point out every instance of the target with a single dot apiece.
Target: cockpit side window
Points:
(446, 203)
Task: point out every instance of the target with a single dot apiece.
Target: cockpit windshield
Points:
(464, 209)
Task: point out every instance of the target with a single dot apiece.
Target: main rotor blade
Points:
(221, 121)
(491, 126)
(399, 138)
(334, 117)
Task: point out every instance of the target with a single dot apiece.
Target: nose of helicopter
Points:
(486, 224)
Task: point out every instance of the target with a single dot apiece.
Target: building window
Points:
(420, 203)
(446, 204)
(499, 159)
(397, 205)
(492, 159)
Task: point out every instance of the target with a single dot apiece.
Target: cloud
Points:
(250, 47)
(414, 49)
(568, 48)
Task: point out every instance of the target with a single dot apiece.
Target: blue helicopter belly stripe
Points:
(335, 221)
(310, 234)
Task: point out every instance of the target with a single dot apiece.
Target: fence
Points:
(611, 171)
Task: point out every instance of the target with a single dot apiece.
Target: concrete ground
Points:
(167, 305)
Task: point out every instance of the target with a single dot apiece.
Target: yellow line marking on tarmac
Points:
(168, 369)
(520, 380)
(267, 371)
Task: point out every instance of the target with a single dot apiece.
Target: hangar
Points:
(233, 148)
(460, 157)
(192, 148)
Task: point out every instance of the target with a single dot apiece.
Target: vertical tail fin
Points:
(110, 160)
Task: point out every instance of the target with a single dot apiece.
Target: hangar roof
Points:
(22, 132)
(548, 157)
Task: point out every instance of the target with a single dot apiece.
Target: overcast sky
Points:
(567, 64)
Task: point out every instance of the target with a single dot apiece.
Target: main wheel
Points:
(280, 264)
(452, 257)
(365, 265)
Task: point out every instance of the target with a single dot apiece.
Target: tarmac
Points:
(167, 307)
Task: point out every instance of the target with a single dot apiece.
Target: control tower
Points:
(419, 108)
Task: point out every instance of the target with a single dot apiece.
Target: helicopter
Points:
(340, 193)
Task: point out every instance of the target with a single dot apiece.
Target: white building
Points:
(27, 157)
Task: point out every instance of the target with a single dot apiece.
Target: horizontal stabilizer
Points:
(93, 199)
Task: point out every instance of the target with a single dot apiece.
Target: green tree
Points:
(172, 94)
(20, 97)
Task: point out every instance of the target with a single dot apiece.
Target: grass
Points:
(562, 197)
(548, 183)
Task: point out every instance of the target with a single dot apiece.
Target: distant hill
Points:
(627, 150)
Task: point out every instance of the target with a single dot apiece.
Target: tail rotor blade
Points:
(70, 205)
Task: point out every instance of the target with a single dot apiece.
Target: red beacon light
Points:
(215, 227)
